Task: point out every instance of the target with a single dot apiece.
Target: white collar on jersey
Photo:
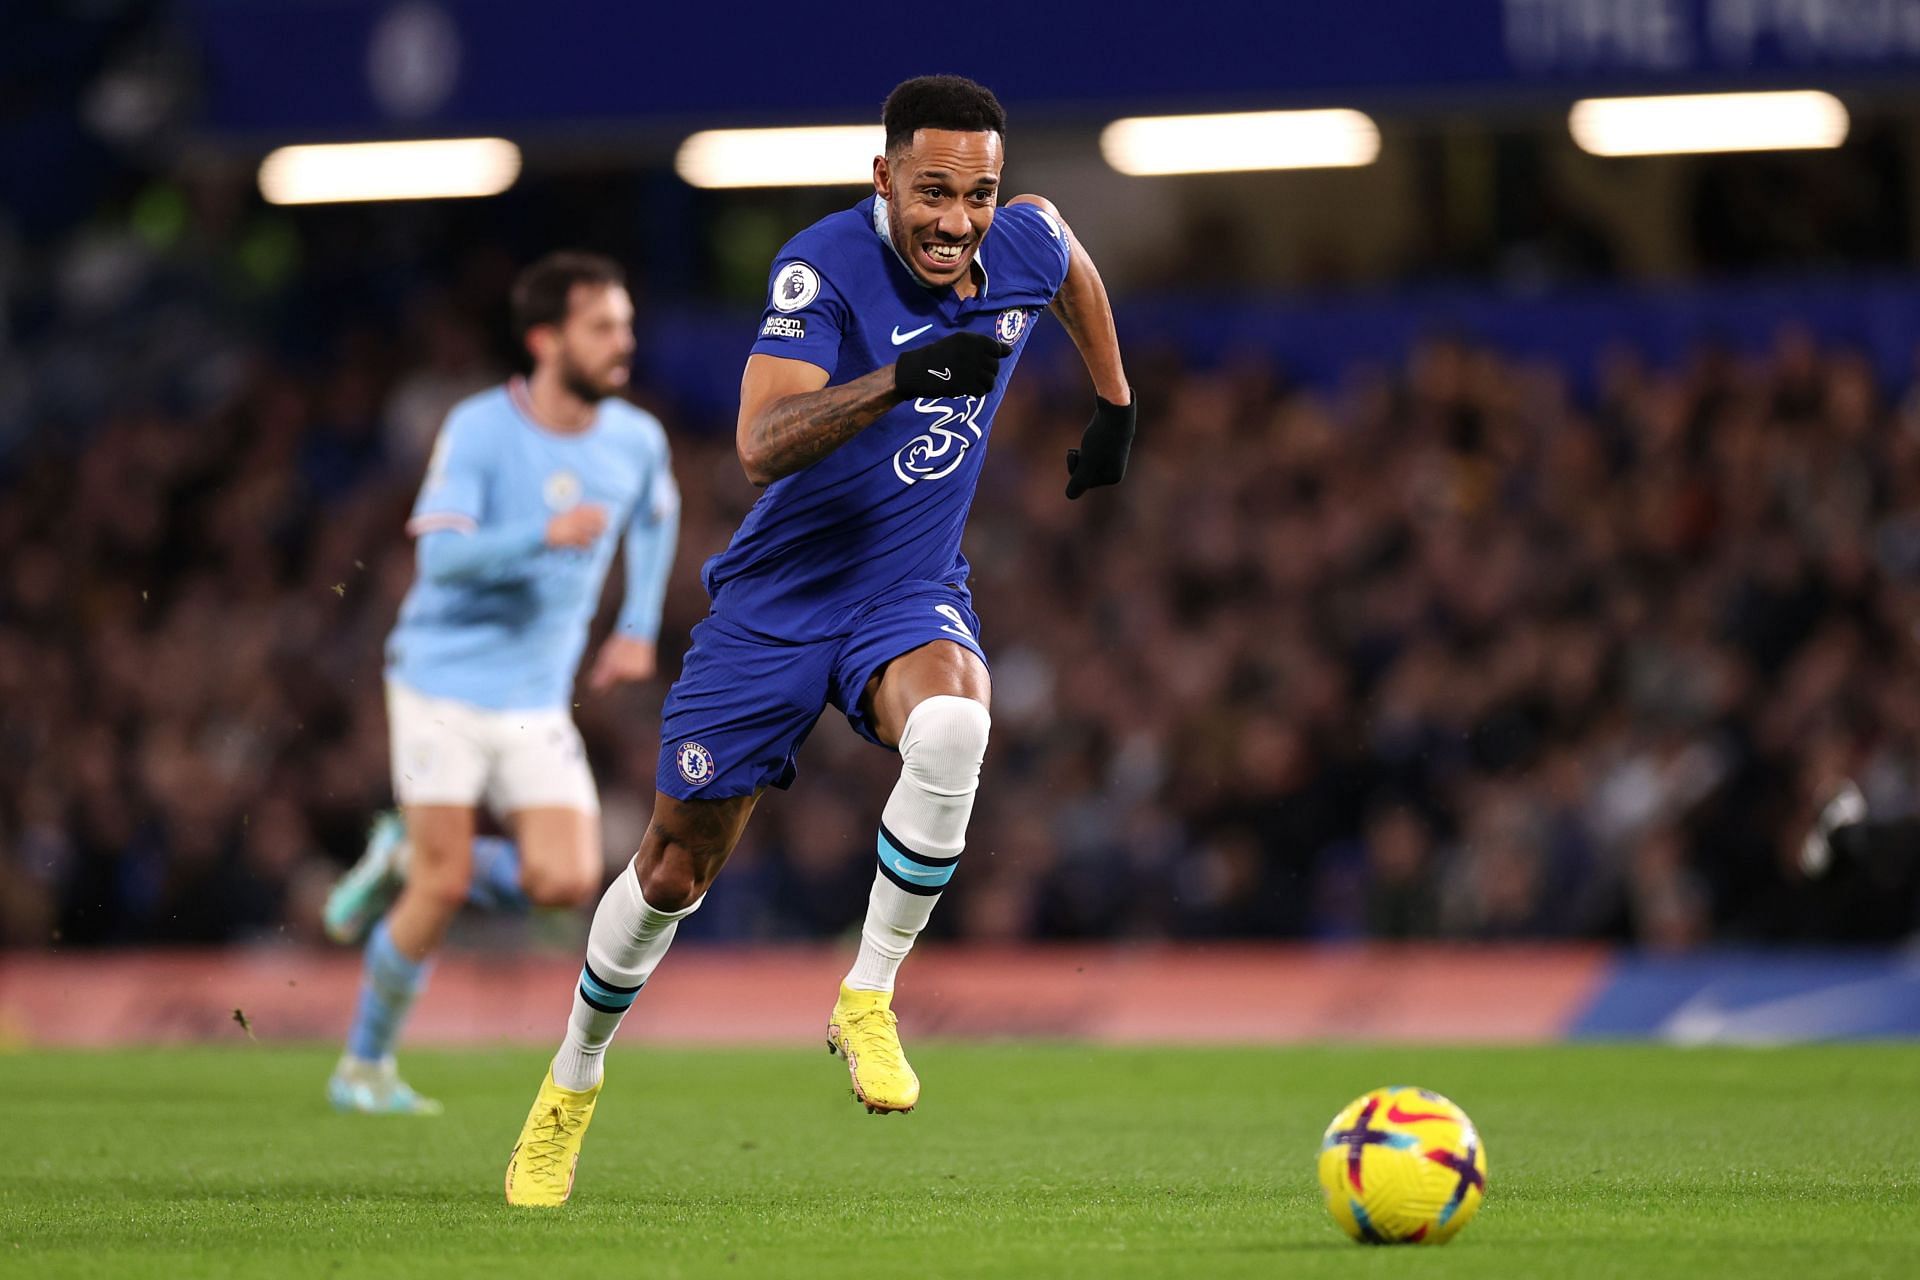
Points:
(520, 395)
(884, 227)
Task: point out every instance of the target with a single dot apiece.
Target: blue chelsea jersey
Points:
(889, 506)
(510, 638)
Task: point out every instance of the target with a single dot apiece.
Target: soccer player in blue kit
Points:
(530, 487)
(889, 333)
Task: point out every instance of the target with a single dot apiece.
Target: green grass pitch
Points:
(1046, 1161)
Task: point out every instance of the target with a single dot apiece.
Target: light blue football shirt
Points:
(507, 633)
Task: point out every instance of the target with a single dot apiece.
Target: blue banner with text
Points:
(285, 68)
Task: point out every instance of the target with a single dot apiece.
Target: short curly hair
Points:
(940, 102)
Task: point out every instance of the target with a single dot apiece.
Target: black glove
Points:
(1102, 455)
(960, 364)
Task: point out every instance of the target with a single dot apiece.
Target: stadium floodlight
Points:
(1695, 123)
(426, 169)
(1239, 142)
(820, 156)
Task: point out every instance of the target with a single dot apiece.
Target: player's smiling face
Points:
(941, 189)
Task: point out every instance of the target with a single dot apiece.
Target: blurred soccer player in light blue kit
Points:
(530, 488)
(865, 409)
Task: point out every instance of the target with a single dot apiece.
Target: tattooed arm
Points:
(790, 418)
(1082, 308)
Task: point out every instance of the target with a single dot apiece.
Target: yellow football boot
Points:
(866, 1032)
(540, 1170)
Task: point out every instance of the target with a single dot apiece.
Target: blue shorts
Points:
(744, 702)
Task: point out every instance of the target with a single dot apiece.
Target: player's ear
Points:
(882, 178)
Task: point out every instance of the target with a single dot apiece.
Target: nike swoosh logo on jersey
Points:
(941, 374)
(1396, 1116)
(899, 337)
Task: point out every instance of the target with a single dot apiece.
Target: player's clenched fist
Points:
(960, 364)
(577, 527)
(1102, 456)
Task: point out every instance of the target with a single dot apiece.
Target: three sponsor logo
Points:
(932, 455)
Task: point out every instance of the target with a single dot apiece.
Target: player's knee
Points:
(944, 742)
(557, 886)
(670, 882)
(444, 887)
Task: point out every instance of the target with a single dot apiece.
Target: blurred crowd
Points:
(1448, 654)
(1447, 651)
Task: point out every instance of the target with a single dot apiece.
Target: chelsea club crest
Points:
(1011, 324)
(696, 764)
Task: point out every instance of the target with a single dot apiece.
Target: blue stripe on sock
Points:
(605, 998)
(614, 987)
(913, 872)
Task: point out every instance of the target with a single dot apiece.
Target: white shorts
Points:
(446, 752)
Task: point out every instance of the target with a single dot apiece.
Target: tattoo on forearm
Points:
(800, 430)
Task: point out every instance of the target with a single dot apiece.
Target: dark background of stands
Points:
(1531, 575)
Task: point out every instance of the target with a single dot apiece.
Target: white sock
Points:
(625, 945)
(922, 831)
